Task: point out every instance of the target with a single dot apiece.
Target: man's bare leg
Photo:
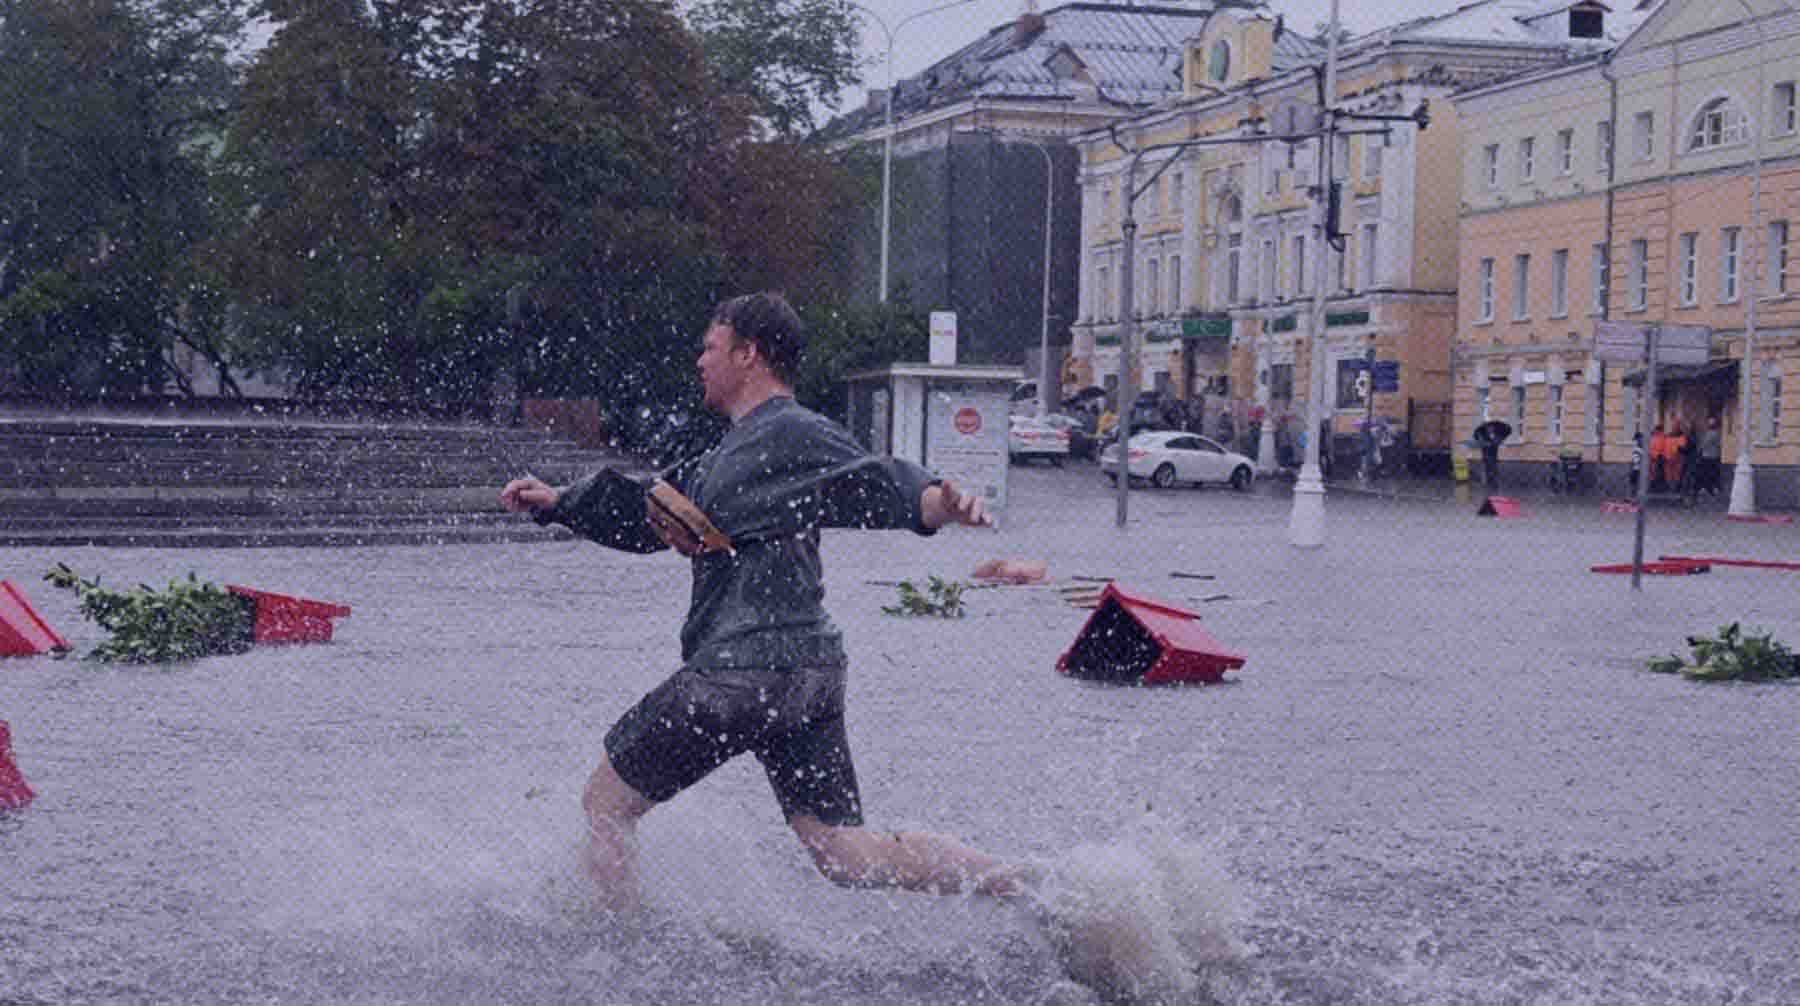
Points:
(909, 860)
(613, 809)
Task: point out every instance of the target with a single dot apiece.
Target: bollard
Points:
(14, 793)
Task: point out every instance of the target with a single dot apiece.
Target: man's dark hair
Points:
(767, 321)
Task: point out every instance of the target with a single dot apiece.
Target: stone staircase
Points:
(217, 483)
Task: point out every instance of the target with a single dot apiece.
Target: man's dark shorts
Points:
(699, 719)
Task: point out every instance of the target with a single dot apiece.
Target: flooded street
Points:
(1443, 777)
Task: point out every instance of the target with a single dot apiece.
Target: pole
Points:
(1127, 342)
(887, 146)
(1643, 487)
(1743, 473)
(887, 166)
(1306, 522)
(1043, 404)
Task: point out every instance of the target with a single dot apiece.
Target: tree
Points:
(108, 106)
(790, 57)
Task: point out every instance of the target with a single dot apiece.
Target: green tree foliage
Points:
(187, 620)
(105, 108)
(789, 56)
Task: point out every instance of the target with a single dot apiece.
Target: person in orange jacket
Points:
(1659, 457)
(1676, 446)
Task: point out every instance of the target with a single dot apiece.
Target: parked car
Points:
(1166, 457)
(1030, 437)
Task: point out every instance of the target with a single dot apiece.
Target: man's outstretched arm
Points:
(942, 503)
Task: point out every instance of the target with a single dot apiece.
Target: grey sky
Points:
(931, 37)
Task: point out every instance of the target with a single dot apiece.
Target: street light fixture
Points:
(1743, 474)
(887, 147)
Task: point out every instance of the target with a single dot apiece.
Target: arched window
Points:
(1720, 123)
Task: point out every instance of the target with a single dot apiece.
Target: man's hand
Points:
(942, 503)
(528, 495)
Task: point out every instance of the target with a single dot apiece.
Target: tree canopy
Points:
(423, 200)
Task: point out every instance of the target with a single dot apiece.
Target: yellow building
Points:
(1653, 186)
(1228, 245)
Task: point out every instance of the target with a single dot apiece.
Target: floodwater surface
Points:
(1443, 777)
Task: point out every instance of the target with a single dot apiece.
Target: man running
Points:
(763, 667)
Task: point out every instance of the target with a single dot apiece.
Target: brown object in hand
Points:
(681, 525)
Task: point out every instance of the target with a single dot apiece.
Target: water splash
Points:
(1141, 918)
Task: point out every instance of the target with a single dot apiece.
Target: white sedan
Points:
(1030, 437)
(1166, 457)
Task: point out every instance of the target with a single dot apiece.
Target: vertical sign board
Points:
(943, 338)
(965, 438)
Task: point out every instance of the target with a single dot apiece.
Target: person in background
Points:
(1659, 459)
(1674, 454)
(1711, 455)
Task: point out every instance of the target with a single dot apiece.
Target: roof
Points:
(1518, 22)
(1131, 53)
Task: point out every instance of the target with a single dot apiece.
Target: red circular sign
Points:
(967, 421)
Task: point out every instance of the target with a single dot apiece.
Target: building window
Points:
(1559, 283)
(1234, 267)
(1593, 398)
(1270, 267)
(1302, 282)
(1484, 402)
(1103, 294)
(1372, 147)
(1349, 395)
(1731, 244)
(1690, 269)
(1778, 258)
(1772, 405)
(1643, 135)
(1340, 264)
(1518, 413)
(1152, 287)
(1602, 263)
(1565, 151)
(1556, 413)
(1719, 124)
(1487, 290)
(1490, 165)
(1787, 110)
(1281, 381)
(1521, 287)
(1527, 158)
(1177, 193)
(1640, 274)
(1175, 304)
(1370, 254)
(1603, 147)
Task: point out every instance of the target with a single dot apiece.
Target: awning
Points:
(1716, 371)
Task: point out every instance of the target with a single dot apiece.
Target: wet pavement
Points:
(1443, 777)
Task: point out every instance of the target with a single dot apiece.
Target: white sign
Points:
(1689, 344)
(1625, 342)
(943, 338)
(1534, 377)
(1620, 341)
(966, 428)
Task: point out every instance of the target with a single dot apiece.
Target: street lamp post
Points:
(1743, 474)
(1128, 384)
(887, 128)
(1306, 521)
